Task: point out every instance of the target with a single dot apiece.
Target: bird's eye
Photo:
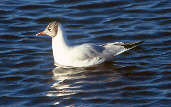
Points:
(49, 29)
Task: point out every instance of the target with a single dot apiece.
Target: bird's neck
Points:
(60, 41)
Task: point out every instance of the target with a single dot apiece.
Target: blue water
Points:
(138, 78)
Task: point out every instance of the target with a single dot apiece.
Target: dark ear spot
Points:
(56, 23)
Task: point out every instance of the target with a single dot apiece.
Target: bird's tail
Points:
(128, 46)
(132, 45)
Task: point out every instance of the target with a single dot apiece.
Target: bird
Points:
(82, 55)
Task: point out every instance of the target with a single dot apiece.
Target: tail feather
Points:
(114, 49)
(132, 45)
(127, 46)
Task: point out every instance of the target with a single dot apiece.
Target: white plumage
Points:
(83, 55)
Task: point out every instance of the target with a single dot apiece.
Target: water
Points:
(138, 78)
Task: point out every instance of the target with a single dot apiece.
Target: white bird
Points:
(84, 55)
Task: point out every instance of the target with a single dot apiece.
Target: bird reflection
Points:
(63, 78)
(70, 82)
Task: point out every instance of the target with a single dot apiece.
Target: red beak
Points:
(40, 33)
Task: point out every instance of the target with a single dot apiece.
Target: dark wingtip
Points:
(138, 43)
(132, 45)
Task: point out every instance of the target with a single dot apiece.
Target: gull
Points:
(84, 55)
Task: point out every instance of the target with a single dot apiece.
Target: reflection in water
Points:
(70, 82)
(61, 76)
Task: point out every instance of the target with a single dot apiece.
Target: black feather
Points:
(132, 45)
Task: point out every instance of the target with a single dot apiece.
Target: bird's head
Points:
(50, 30)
